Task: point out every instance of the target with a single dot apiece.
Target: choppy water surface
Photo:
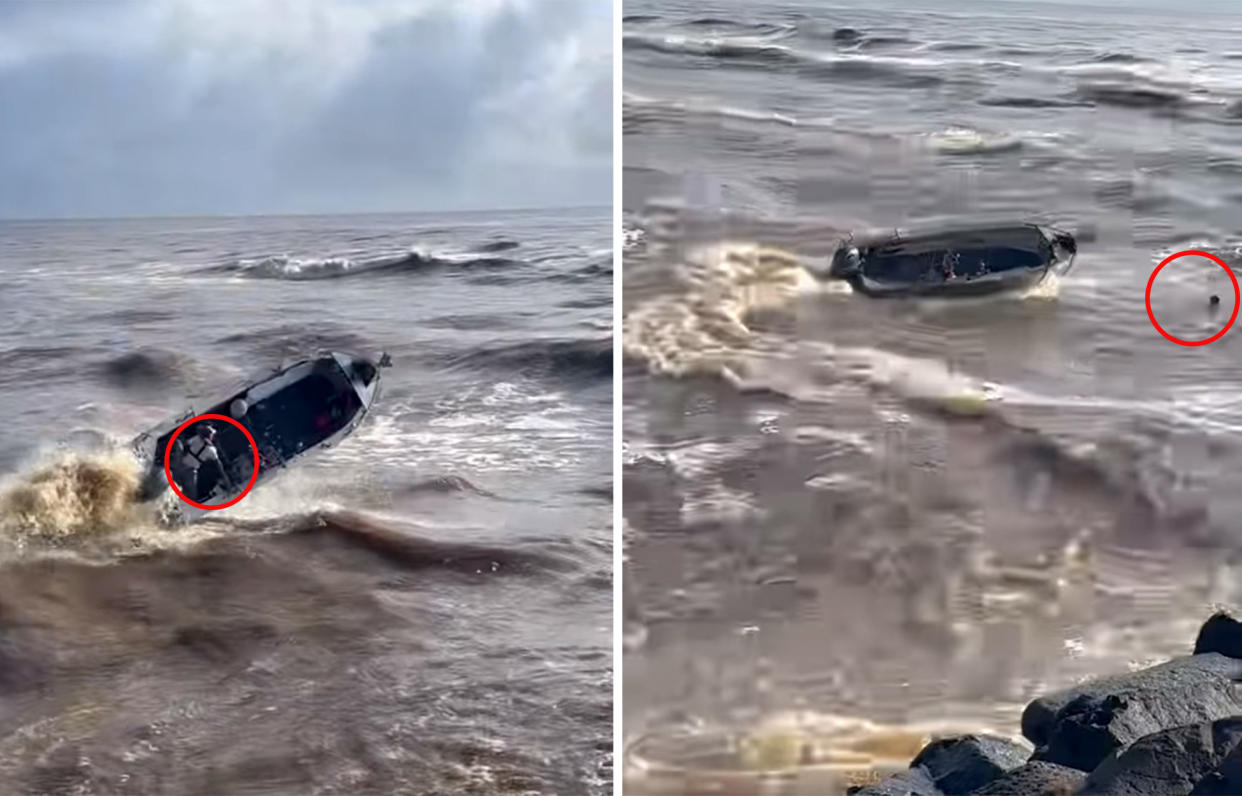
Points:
(851, 523)
(424, 609)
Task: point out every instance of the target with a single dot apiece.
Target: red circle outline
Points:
(1237, 298)
(168, 451)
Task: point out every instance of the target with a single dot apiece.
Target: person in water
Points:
(201, 465)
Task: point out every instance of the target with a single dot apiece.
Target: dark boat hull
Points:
(954, 262)
(309, 405)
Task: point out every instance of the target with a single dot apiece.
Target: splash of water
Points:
(703, 329)
(70, 494)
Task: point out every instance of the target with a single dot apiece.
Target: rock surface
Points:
(1081, 726)
(966, 763)
(1226, 780)
(914, 782)
(1167, 763)
(1170, 730)
(1036, 779)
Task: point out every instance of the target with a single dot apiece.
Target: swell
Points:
(1131, 96)
(40, 364)
(640, 110)
(579, 359)
(404, 547)
(290, 340)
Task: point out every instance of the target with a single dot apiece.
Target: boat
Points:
(969, 261)
(309, 405)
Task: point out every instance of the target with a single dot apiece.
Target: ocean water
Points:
(851, 523)
(425, 608)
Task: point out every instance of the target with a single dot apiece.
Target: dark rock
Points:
(1167, 763)
(846, 34)
(1036, 779)
(1226, 780)
(1080, 726)
(965, 763)
(914, 782)
(1221, 632)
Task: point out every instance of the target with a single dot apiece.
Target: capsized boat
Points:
(967, 261)
(309, 405)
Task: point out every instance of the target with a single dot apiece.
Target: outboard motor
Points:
(1064, 242)
(846, 262)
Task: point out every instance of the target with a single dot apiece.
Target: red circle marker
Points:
(253, 447)
(1237, 297)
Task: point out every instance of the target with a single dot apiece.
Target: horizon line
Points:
(182, 216)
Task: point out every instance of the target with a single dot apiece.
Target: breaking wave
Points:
(312, 268)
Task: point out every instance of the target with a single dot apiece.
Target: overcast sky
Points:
(170, 107)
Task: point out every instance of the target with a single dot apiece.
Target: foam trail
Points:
(704, 331)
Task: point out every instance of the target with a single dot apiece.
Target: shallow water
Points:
(424, 608)
(915, 513)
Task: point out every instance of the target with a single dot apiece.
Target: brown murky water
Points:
(864, 522)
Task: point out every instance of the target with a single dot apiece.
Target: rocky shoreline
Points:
(1171, 730)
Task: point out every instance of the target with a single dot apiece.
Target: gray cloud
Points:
(238, 106)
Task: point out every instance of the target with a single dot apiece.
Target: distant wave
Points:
(589, 358)
(1032, 102)
(639, 109)
(1121, 58)
(1131, 96)
(753, 28)
(897, 71)
(491, 247)
(958, 47)
(312, 268)
(753, 49)
(873, 42)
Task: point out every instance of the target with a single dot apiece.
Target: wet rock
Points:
(1036, 778)
(1226, 780)
(1220, 633)
(914, 782)
(1081, 726)
(965, 763)
(1167, 763)
(846, 34)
